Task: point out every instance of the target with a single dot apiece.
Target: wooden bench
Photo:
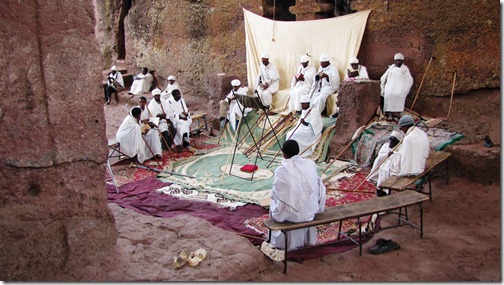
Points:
(357, 210)
(199, 124)
(395, 183)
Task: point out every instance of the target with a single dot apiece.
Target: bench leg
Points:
(421, 220)
(285, 252)
(339, 230)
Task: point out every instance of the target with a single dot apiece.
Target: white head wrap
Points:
(304, 58)
(305, 99)
(398, 56)
(354, 60)
(114, 68)
(156, 91)
(397, 134)
(235, 82)
(324, 58)
(171, 77)
(265, 55)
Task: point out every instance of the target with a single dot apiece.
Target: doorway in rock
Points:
(121, 44)
(278, 10)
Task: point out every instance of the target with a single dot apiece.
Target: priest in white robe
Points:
(268, 80)
(181, 120)
(298, 194)
(356, 71)
(308, 130)
(301, 83)
(115, 83)
(172, 85)
(326, 83)
(395, 86)
(149, 130)
(142, 82)
(231, 108)
(160, 109)
(129, 136)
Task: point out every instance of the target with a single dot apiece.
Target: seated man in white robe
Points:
(115, 83)
(181, 120)
(395, 86)
(230, 108)
(142, 82)
(172, 84)
(356, 71)
(301, 83)
(268, 81)
(149, 129)
(161, 109)
(308, 129)
(412, 153)
(298, 194)
(129, 136)
(326, 83)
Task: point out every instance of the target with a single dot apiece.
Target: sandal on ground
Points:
(180, 260)
(272, 252)
(196, 257)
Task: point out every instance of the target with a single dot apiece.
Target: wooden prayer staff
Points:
(421, 82)
(152, 152)
(350, 143)
(345, 190)
(453, 89)
(307, 113)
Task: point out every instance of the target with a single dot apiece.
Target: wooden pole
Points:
(421, 82)
(453, 89)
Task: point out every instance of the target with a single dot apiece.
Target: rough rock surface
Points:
(53, 204)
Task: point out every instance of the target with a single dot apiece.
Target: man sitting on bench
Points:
(298, 194)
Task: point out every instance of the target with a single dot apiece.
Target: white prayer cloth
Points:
(267, 74)
(298, 194)
(162, 107)
(182, 126)
(129, 136)
(386, 168)
(167, 92)
(395, 85)
(141, 84)
(362, 73)
(236, 108)
(300, 88)
(151, 137)
(306, 136)
(117, 77)
(323, 88)
(414, 152)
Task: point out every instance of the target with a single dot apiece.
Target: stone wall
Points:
(53, 199)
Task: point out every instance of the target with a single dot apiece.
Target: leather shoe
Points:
(383, 245)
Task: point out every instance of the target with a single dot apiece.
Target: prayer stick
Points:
(152, 152)
(451, 97)
(421, 82)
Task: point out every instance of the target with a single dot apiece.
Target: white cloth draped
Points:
(267, 74)
(182, 126)
(324, 87)
(151, 137)
(414, 152)
(306, 136)
(129, 136)
(141, 84)
(298, 194)
(117, 77)
(167, 92)
(156, 108)
(362, 73)
(395, 85)
(300, 87)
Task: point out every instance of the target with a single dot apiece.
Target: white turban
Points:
(397, 134)
(171, 77)
(304, 99)
(354, 60)
(114, 68)
(324, 58)
(398, 56)
(265, 55)
(156, 92)
(235, 82)
(304, 58)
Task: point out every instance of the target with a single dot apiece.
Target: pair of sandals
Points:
(272, 252)
(190, 258)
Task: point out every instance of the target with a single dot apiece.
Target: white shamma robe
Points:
(301, 88)
(141, 84)
(236, 108)
(414, 152)
(325, 87)
(166, 94)
(129, 136)
(268, 74)
(155, 108)
(182, 126)
(151, 137)
(298, 194)
(395, 85)
(306, 136)
(362, 73)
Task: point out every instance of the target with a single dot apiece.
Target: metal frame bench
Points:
(395, 183)
(197, 125)
(391, 203)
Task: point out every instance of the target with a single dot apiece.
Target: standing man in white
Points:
(395, 85)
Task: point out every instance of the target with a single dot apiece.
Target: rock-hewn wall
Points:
(53, 202)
